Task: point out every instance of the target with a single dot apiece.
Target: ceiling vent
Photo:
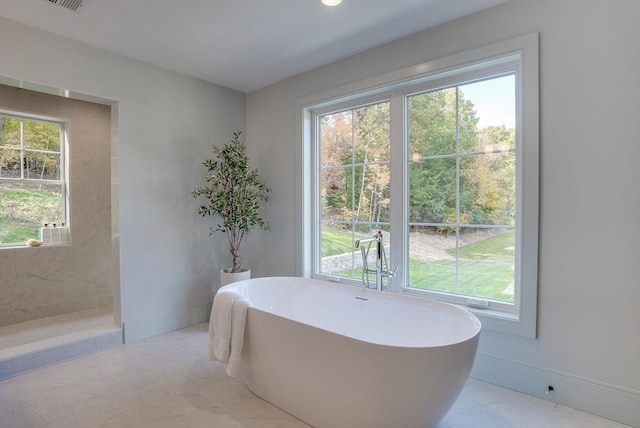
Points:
(73, 5)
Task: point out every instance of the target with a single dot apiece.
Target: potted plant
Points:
(236, 194)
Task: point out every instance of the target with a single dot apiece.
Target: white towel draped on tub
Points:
(226, 330)
(238, 319)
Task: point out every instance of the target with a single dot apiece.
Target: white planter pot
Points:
(227, 277)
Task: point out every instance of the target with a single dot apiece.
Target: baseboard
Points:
(154, 325)
(613, 402)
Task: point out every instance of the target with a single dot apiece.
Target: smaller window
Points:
(33, 190)
(462, 192)
(354, 167)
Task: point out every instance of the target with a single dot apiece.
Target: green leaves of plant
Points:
(234, 192)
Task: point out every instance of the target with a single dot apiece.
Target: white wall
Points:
(166, 125)
(588, 343)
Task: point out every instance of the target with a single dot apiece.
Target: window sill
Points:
(503, 322)
(497, 320)
(18, 246)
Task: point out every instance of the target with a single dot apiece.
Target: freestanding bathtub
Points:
(338, 356)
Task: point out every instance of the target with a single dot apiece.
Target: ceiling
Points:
(240, 44)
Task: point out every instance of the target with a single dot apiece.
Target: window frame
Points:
(63, 181)
(518, 55)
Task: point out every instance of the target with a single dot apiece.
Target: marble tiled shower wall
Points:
(41, 282)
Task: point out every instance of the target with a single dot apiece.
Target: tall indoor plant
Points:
(235, 193)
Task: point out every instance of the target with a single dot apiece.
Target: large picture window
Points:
(32, 177)
(442, 166)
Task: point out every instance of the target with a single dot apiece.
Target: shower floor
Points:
(33, 344)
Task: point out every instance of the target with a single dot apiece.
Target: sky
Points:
(494, 101)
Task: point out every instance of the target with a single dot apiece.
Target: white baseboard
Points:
(163, 323)
(609, 401)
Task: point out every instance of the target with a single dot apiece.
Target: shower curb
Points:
(25, 358)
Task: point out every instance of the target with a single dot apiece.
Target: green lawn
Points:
(495, 247)
(23, 211)
(11, 232)
(485, 267)
(335, 241)
(477, 278)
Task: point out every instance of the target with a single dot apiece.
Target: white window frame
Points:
(518, 54)
(64, 163)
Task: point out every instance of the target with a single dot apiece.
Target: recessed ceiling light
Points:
(331, 2)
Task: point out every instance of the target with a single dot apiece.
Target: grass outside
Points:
(487, 279)
(23, 211)
(497, 247)
(11, 232)
(485, 268)
(335, 241)
(338, 241)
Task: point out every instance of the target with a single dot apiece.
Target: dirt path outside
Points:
(428, 247)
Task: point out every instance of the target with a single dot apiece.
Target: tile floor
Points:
(166, 381)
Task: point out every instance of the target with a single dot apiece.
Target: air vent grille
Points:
(73, 5)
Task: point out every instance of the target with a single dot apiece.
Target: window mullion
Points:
(315, 231)
(22, 156)
(398, 193)
(457, 252)
(64, 178)
(353, 189)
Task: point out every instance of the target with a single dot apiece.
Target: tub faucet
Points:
(381, 269)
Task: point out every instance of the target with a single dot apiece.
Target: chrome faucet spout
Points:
(366, 240)
(381, 270)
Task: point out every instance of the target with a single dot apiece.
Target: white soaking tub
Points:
(339, 356)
